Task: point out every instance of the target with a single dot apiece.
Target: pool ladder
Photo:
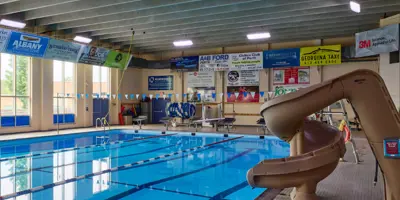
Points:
(103, 122)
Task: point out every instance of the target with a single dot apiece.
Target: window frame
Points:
(102, 94)
(63, 96)
(14, 94)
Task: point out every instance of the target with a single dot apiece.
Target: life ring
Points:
(344, 128)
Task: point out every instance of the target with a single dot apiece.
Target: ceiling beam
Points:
(214, 16)
(26, 5)
(72, 7)
(7, 1)
(246, 22)
(360, 25)
(114, 9)
(193, 6)
(227, 38)
(265, 25)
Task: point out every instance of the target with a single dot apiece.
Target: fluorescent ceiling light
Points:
(255, 36)
(82, 39)
(11, 23)
(183, 43)
(354, 6)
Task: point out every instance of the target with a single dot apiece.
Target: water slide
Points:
(315, 147)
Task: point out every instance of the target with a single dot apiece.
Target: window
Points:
(101, 182)
(101, 81)
(64, 89)
(15, 90)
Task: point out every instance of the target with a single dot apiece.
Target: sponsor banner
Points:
(93, 55)
(117, 59)
(285, 89)
(188, 63)
(291, 76)
(161, 82)
(381, 40)
(246, 61)
(321, 55)
(201, 79)
(4, 37)
(61, 50)
(243, 78)
(220, 62)
(243, 94)
(281, 58)
(27, 44)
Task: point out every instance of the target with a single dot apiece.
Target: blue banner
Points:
(282, 58)
(161, 82)
(27, 44)
(188, 63)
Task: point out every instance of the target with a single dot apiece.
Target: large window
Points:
(64, 168)
(101, 81)
(15, 90)
(64, 92)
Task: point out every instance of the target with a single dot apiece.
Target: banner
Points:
(93, 55)
(4, 37)
(161, 82)
(201, 79)
(189, 63)
(243, 78)
(218, 62)
(244, 94)
(321, 55)
(293, 75)
(282, 58)
(27, 44)
(61, 50)
(246, 61)
(381, 40)
(285, 89)
(117, 59)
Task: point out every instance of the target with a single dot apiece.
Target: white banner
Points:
(243, 78)
(201, 79)
(285, 89)
(246, 61)
(381, 40)
(4, 37)
(218, 62)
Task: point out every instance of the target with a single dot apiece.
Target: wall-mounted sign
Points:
(117, 59)
(218, 62)
(243, 78)
(246, 61)
(27, 44)
(61, 50)
(285, 89)
(321, 55)
(4, 37)
(201, 79)
(282, 58)
(381, 40)
(291, 76)
(93, 55)
(161, 82)
(185, 64)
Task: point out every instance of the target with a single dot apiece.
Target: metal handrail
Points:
(103, 123)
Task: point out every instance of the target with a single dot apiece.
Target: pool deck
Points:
(348, 181)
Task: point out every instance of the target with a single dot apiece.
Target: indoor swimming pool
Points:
(122, 164)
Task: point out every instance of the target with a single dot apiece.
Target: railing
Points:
(103, 122)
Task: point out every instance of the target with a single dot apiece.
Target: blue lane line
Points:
(229, 191)
(114, 169)
(146, 185)
(45, 167)
(83, 147)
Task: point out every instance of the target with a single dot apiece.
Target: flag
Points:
(151, 96)
(262, 94)
(236, 94)
(245, 94)
(157, 95)
(198, 96)
(137, 96)
(113, 96)
(119, 96)
(143, 97)
(108, 96)
(252, 94)
(132, 96)
(126, 96)
(213, 95)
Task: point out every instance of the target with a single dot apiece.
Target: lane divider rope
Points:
(84, 147)
(114, 169)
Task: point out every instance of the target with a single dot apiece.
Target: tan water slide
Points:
(316, 147)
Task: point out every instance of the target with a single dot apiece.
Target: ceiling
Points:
(208, 23)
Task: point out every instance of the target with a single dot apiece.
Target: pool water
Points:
(122, 164)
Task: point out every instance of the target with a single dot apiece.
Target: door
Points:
(100, 109)
(159, 106)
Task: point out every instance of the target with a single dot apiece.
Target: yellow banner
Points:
(321, 55)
